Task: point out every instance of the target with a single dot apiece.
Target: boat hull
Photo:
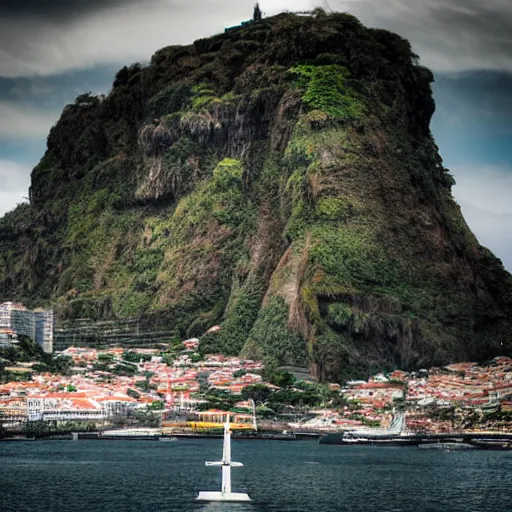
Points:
(219, 496)
(339, 438)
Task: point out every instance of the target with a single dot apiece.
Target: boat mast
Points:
(226, 458)
(226, 463)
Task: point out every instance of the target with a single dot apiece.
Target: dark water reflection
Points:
(119, 476)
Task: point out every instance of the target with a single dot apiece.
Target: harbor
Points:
(278, 476)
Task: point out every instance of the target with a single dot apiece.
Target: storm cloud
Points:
(47, 37)
(22, 122)
(54, 9)
(449, 35)
(44, 43)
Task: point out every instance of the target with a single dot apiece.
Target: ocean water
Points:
(301, 476)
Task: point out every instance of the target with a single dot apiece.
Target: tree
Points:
(133, 393)
(269, 370)
(283, 379)
(147, 418)
(195, 358)
(58, 364)
(134, 357)
(29, 350)
(105, 358)
(258, 392)
(125, 369)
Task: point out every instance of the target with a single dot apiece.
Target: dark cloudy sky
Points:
(52, 50)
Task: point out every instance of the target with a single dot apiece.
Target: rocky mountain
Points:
(280, 179)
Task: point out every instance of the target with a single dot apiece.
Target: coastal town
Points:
(176, 387)
(256, 262)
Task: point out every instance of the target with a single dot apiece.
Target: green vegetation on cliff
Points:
(281, 180)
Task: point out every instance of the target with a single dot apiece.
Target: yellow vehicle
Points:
(211, 420)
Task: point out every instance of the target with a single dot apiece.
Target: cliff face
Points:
(280, 179)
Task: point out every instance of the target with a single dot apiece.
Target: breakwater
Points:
(478, 440)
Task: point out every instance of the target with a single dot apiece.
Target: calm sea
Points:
(302, 476)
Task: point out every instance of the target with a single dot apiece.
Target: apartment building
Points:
(38, 324)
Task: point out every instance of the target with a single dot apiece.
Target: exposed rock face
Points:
(280, 179)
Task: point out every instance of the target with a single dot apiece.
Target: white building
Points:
(5, 314)
(73, 406)
(38, 325)
(57, 409)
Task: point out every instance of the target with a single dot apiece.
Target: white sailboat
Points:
(395, 429)
(226, 464)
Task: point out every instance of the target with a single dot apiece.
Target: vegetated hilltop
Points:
(280, 179)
